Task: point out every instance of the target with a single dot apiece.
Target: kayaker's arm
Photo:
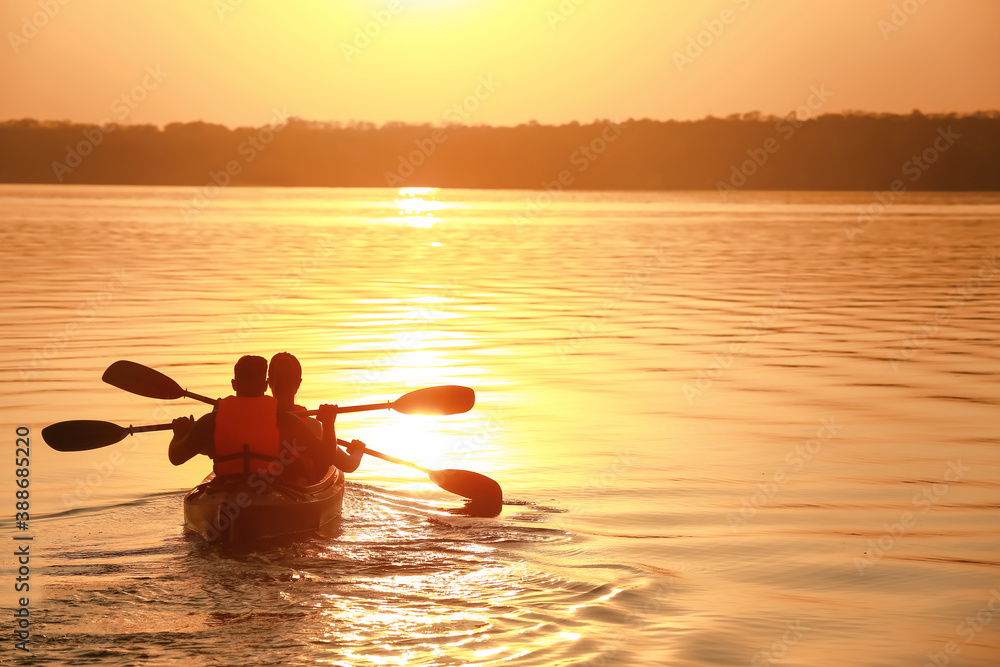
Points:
(191, 438)
(346, 461)
(350, 460)
(323, 451)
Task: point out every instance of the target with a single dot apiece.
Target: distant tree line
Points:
(851, 151)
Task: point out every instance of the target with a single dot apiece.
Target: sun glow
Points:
(413, 436)
(415, 209)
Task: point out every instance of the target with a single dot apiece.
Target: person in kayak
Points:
(284, 377)
(247, 433)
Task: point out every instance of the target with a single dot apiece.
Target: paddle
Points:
(84, 434)
(145, 381)
(448, 399)
(483, 491)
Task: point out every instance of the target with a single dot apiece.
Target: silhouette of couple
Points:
(251, 433)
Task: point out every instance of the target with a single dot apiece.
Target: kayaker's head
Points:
(250, 376)
(284, 376)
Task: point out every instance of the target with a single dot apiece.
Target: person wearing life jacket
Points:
(248, 434)
(246, 425)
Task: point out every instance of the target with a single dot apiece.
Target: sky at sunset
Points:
(503, 62)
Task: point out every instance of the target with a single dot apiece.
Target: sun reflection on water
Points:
(408, 343)
(383, 624)
(416, 205)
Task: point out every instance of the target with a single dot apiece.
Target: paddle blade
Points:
(444, 400)
(476, 487)
(142, 380)
(82, 434)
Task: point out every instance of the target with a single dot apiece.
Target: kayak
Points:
(246, 509)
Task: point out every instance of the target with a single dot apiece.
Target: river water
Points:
(745, 432)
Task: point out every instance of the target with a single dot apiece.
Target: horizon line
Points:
(746, 116)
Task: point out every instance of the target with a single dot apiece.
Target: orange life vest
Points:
(246, 435)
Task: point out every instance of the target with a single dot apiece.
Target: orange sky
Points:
(502, 61)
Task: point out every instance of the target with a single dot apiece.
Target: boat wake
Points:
(402, 580)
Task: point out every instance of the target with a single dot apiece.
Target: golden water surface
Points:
(761, 431)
